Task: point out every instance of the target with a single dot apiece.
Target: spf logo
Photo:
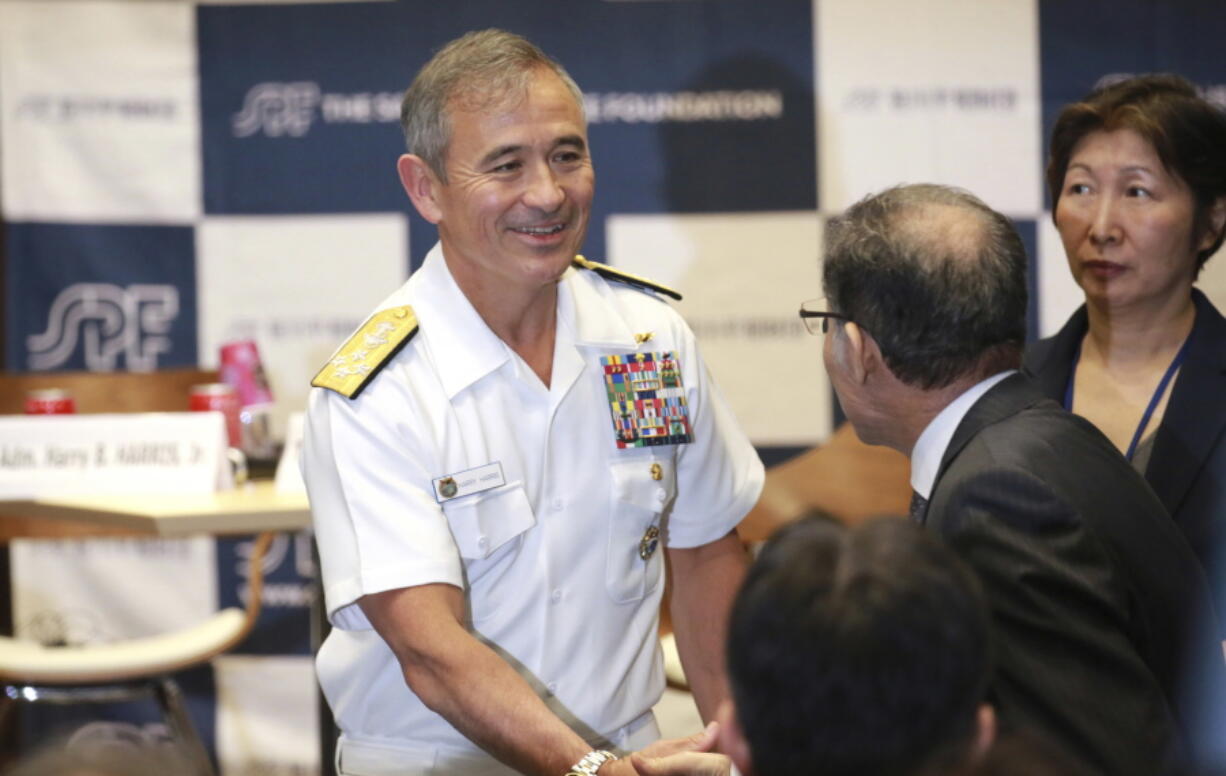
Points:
(107, 322)
(277, 109)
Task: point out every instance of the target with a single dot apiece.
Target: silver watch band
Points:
(590, 763)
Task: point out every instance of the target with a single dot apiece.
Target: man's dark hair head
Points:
(857, 651)
(937, 278)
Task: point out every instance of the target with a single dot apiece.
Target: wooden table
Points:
(250, 508)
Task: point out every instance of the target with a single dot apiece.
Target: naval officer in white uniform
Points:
(502, 456)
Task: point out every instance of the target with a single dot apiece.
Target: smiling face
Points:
(515, 206)
(1127, 224)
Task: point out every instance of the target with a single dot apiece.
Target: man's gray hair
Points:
(481, 68)
(937, 278)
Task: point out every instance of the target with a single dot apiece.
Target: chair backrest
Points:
(165, 390)
(26, 662)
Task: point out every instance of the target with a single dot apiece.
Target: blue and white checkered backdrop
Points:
(176, 175)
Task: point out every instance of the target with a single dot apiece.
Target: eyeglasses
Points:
(817, 318)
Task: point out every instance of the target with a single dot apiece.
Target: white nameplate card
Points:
(289, 467)
(157, 452)
(468, 482)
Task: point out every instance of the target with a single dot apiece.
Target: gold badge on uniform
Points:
(649, 543)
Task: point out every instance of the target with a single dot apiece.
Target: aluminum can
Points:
(218, 397)
(50, 401)
(241, 368)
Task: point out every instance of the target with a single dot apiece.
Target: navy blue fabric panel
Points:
(697, 107)
(135, 725)
(265, 75)
(1029, 232)
(99, 297)
(1084, 42)
(284, 626)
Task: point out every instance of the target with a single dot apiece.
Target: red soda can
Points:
(218, 397)
(50, 401)
(241, 368)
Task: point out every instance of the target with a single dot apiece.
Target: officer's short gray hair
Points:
(481, 68)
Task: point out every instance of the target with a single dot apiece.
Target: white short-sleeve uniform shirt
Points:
(548, 557)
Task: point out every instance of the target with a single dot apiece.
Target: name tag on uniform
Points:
(468, 482)
(647, 400)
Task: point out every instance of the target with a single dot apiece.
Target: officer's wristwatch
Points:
(590, 763)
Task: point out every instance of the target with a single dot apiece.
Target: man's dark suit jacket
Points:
(1187, 468)
(1095, 594)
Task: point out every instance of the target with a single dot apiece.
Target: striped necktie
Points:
(919, 507)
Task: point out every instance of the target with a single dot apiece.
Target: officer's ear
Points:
(422, 186)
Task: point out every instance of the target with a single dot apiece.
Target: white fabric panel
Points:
(102, 590)
(1213, 279)
(1058, 294)
(743, 276)
(99, 112)
(297, 285)
(943, 91)
(267, 715)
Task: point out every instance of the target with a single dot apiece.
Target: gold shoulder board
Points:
(621, 276)
(367, 351)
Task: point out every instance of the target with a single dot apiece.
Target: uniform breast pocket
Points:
(643, 493)
(488, 529)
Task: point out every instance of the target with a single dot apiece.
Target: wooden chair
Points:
(844, 478)
(133, 669)
(136, 668)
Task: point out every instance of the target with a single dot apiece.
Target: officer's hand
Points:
(682, 756)
(682, 764)
(702, 741)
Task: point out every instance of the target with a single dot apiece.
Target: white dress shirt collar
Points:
(465, 349)
(930, 447)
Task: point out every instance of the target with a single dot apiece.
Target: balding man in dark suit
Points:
(1096, 597)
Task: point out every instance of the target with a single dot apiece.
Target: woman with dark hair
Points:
(1137, 176)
